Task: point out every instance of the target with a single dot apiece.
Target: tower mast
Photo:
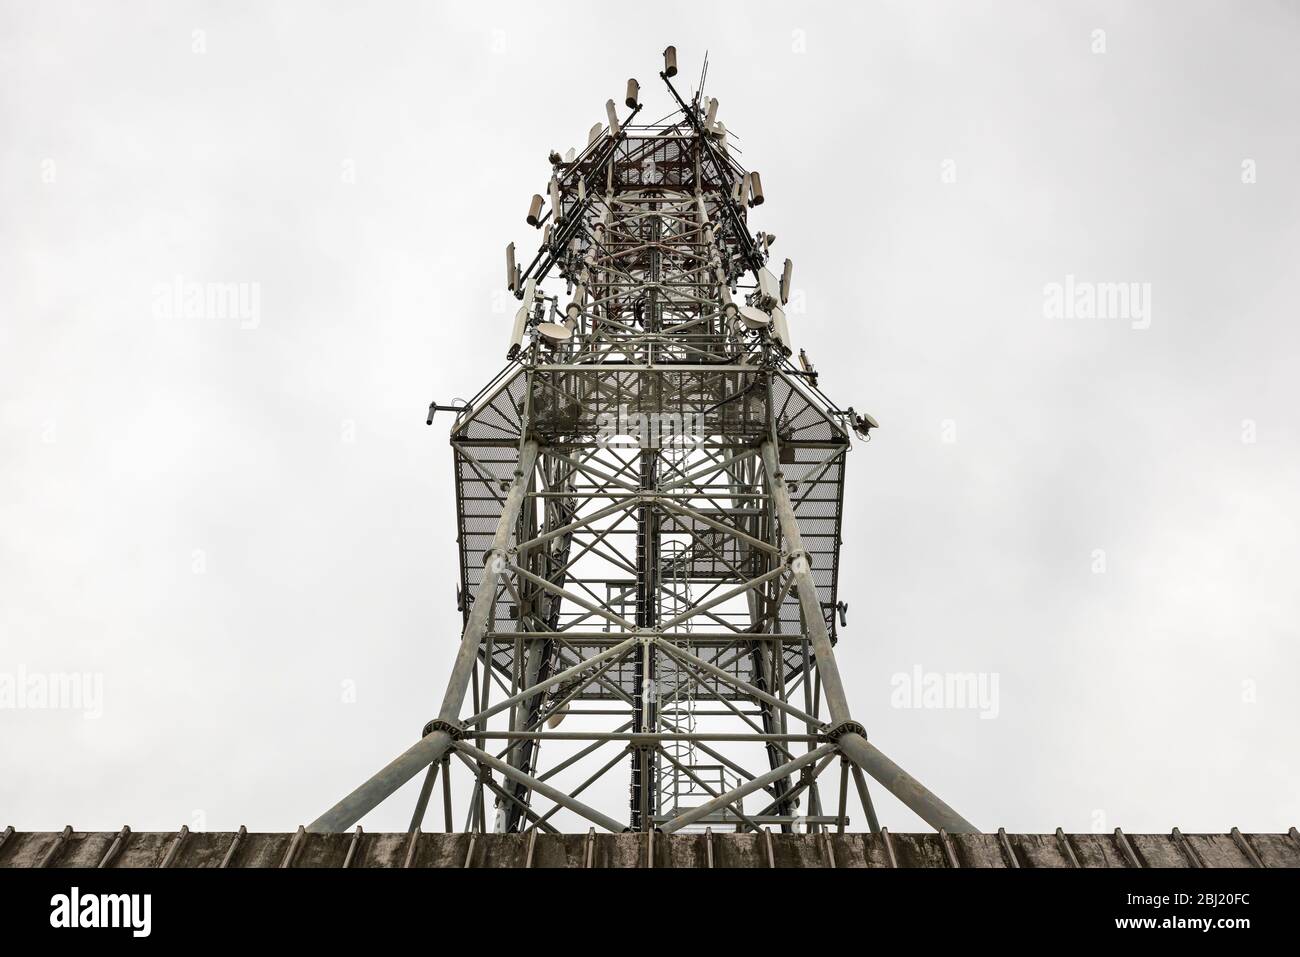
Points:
(649, 503)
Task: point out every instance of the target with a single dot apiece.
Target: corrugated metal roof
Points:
(127, 849)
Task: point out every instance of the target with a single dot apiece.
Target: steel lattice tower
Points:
(649, 501)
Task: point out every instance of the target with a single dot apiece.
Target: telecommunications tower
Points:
(649, 501)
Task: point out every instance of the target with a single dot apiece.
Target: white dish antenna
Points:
(560, 331)
(754, 318)
(555, 331)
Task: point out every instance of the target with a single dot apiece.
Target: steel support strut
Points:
(853, 745)
(533, 784)
(434, 745)
(734, 795)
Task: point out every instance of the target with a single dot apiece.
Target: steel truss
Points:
(649, 526)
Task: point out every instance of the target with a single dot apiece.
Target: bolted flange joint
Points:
(835, 732)
(495, 560)
(450, 728)
(797, 561)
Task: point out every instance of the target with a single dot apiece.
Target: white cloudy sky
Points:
(230, 523)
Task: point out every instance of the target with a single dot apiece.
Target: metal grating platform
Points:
(566, 406)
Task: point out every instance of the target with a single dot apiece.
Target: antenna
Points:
(521, 320)
(754, 318)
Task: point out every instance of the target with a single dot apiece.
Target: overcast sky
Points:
(242, 526)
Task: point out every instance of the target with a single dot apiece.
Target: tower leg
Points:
(851, 743)
(434, 745)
